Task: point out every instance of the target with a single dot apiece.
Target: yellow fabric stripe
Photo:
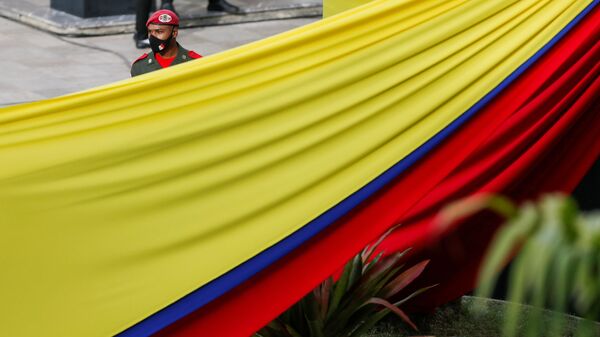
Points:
(117, 201)
(333, 7)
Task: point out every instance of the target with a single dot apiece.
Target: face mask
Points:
(159, 45)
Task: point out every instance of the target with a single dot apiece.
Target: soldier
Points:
(163, 27)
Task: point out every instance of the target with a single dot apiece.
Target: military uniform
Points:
(147, 62)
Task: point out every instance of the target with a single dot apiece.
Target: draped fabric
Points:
(192, 194)
(332, 7)
(536, 136)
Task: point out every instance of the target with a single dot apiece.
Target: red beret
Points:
(163, 17)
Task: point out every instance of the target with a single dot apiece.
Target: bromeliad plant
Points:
(352, 304)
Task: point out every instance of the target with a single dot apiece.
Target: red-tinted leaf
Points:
(384, 264)
(325, 294)
(395, 310)
(368, 251)
(404, 279)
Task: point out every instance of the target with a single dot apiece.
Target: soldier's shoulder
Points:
(192, 54)
(138, 67)
(144, 56)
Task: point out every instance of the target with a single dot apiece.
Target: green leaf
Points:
(369, 265)
(291, 331)
(311, 308)
(355, 271)
(503, 245)
(385, 264)
(559, 286)
(365, 325)
(516, 293)
(316, 328)
(365, 290)
(339, 289)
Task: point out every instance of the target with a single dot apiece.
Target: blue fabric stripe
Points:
(238, 275)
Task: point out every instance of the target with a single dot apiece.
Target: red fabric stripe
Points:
(257, 301)
(554, 162)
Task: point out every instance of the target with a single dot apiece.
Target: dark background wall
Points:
(94, 8)
(587, 193)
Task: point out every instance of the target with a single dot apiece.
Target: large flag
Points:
(187, 195)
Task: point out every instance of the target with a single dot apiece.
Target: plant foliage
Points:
(557, 265)
(352, 304)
